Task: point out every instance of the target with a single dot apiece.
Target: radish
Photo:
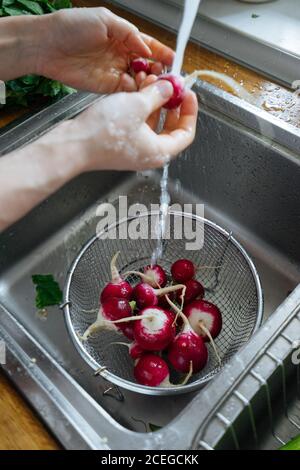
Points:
(147, 296)
(117, 287)
(112, 309)
(135, 351)
(155, 330)
(187, 347)
(140, 65)
(154, 275)
(183, 270)
(178, 86)
(153, 371)
(157, 275)
(202, 313)
(194, 289)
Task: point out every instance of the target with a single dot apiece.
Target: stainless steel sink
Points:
(249, 184)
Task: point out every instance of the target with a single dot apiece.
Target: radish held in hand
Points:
(117, 287)
(155, 330)
(183, 270)
(194, 289)
(178, 86)
(147, 296)
(140, 65)
(202, 313)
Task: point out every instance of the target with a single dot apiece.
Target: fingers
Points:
(179, 131)
(125, 32)
(127, 83)
(155, 96)
(157, 68)
(153, 119)
(160, 52)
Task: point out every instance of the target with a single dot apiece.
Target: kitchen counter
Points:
(20, 428)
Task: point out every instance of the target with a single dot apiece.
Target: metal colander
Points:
(233, 284)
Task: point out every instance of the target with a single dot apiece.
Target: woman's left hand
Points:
(90, 49)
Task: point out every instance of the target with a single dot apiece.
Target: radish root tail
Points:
(207, 332)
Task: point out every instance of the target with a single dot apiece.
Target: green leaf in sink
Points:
(154, 427)
(47, 289)
(292, 445)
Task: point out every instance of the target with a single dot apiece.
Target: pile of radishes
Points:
(164, 316)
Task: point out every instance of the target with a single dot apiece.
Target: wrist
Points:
(68, 154)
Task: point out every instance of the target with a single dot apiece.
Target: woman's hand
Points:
(116, 133)
(90, 49)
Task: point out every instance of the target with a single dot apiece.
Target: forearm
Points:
(30, 175)
(19, 45)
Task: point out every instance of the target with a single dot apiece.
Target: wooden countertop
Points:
(20, 428)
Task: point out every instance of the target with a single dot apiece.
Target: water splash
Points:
(189, 15)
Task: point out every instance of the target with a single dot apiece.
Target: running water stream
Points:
(189, 16)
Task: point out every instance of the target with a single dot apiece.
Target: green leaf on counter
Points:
(23, 91)
(33, 7)
(59, 4)
(47, 289)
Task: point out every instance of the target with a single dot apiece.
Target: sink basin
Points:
(249, 184)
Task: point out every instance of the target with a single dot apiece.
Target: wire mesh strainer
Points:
(233, 285)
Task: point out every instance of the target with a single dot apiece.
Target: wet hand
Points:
(115, 133)
(90, 49)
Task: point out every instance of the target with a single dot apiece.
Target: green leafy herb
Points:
(254, 15)
(22, 91)
(154, 427)
(47, 289)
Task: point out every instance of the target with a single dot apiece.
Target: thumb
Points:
(156, 95)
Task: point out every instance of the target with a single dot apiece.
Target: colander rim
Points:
(126, 384)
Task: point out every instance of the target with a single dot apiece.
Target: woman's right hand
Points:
(116, 132)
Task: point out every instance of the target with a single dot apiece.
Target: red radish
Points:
(147, 296)
(154, 275)
(140, 65)
(135, 351)
(163, 302)
(187, 347)
(178, 86)
(194, 289)
(112, 309)
(183, 270)
(202, 313)
(157, 274)
(117, 287)
(155, 330)
(151, 370)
